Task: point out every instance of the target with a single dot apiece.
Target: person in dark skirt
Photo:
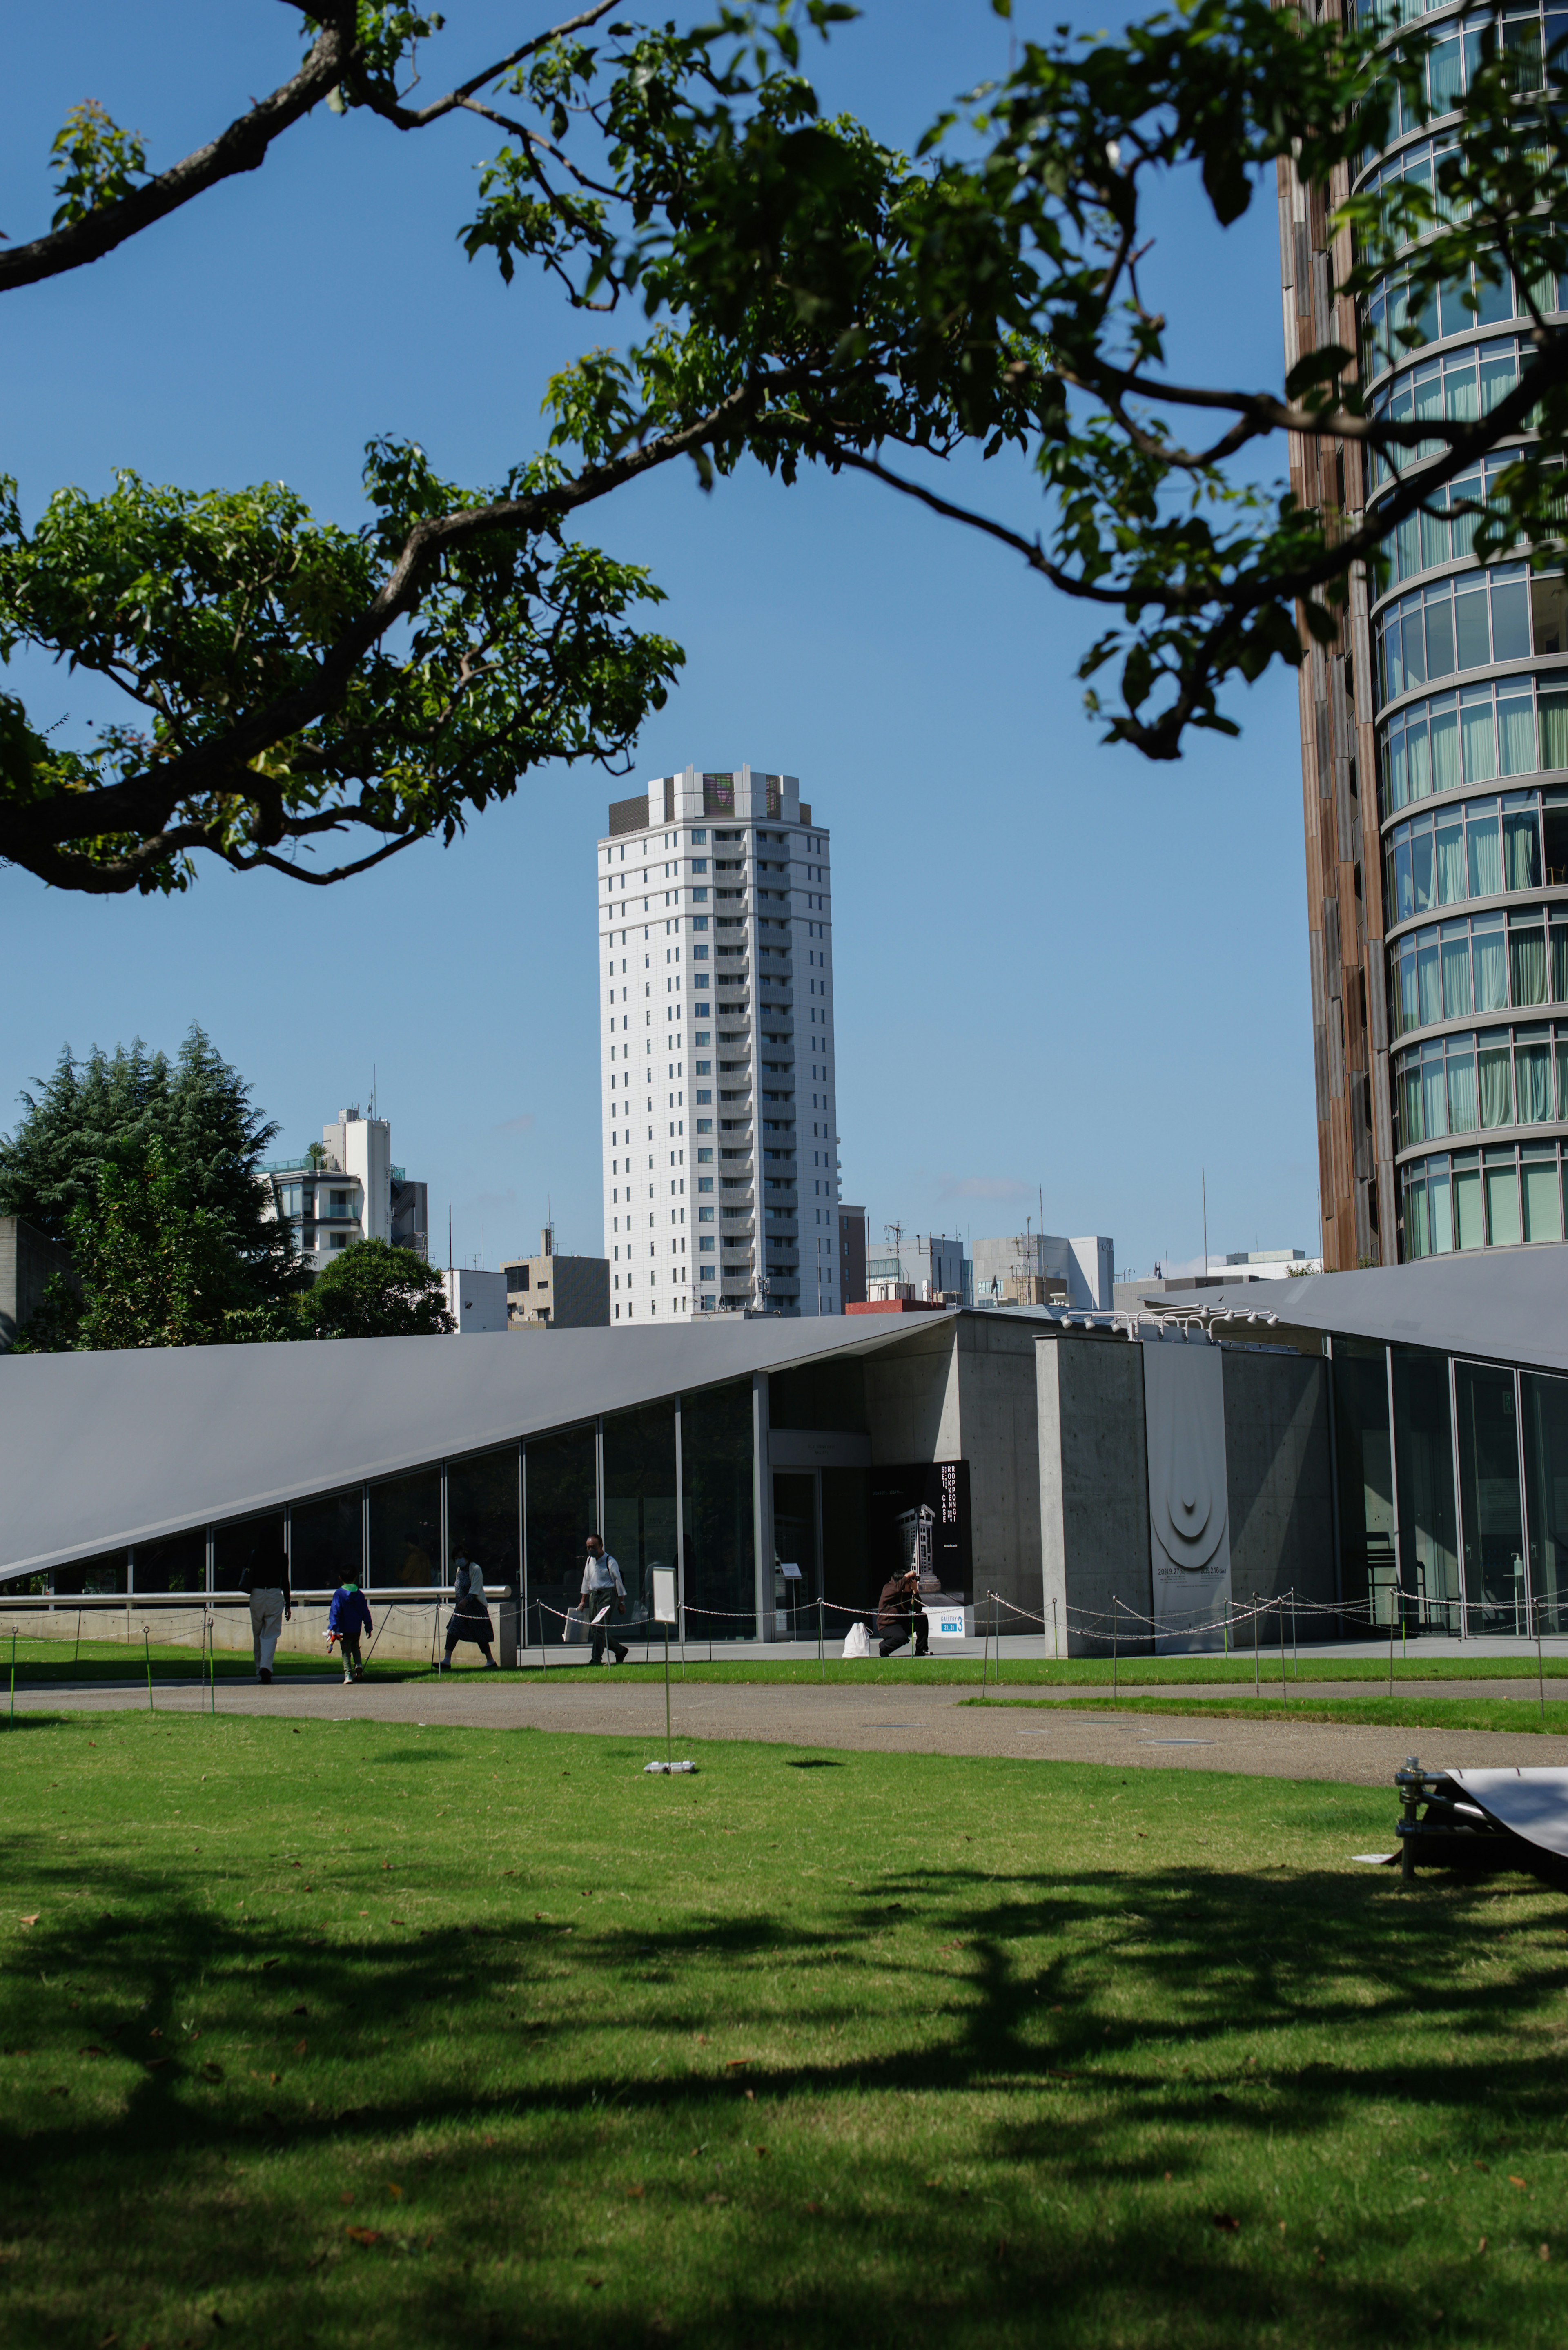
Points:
(470, 1618)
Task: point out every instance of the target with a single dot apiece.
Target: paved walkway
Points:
(911, 1720)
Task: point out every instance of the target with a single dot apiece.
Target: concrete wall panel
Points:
(1093, 1484)
(999, 1427)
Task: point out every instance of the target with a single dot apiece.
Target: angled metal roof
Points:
(1508, 1304)
(97, 1450)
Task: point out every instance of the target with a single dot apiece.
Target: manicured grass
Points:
(362, 2034)
(57, 1659)
(1446, 1713)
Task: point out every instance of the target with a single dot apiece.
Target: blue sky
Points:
(1059, 971)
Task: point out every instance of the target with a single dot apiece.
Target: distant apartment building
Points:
(475, 1299)
(556, 1293)
(1045, 1268)
(926, 1267)
(854, 1247)
(721, 1142)
(345, 1188)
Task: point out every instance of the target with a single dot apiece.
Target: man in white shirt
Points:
(601, 1580)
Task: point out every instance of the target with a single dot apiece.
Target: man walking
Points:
(265, 1585)
(602, 1583)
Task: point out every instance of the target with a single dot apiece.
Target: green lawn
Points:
(361, 2034)
(1446, 1713)
(50, 1659)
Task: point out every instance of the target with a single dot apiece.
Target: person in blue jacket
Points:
(347, 1619)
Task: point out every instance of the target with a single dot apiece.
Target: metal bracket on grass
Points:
(664, 1770)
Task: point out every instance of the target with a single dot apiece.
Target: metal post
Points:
(1535, 1605)
(13, 1673)
(146, 1653)
(821, 1643)
(669, 1748)
(1257, 1691)
(1285, 1701)
(76, 1656)
(1393, 1611)
(1295, 1651)
(1055, 1650)
(1115, 1627)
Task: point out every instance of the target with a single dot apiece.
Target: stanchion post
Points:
(1539, 1667)
(1296, 1650)
(1116, 1645)
(1055, 1651)
(12, 1674)
(146, 1651)
(821, 1639)
(1257, 1686)
(1393, 1611)
(1285, 1701)
(668, 1747)
(76, 1658)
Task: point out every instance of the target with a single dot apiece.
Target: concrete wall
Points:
(1093, 1484)
(912, 1397)
(26, 1260)
(407, 1632)
(1277, 1469)
(1000, 1440)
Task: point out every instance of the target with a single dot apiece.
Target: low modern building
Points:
(1393, 1454)
(475, 1299)
(556, 1293)
(925, 1266)
(1083, 1269)
(345, 1188)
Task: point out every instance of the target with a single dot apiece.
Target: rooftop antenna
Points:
(372, 1089)
(449, 1258)
(1203, 1173)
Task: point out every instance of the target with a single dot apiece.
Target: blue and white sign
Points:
(947, 1622)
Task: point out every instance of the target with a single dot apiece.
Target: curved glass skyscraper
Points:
(1435, 759)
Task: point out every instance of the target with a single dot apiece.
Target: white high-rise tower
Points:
(721, 1150)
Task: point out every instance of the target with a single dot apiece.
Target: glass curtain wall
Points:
(1496, 1585)
(326, 1541)
(716, 1448)
(561, 1510)
(1544, 1416)
(640, 1519)
(1365, 1473)
(98, 1578)
(405, 1530)
(262, 1541)
(1429, 1594)
(483, 1518)
(178, 1565)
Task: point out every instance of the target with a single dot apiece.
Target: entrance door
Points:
(1496, 1586)
(797, 1520)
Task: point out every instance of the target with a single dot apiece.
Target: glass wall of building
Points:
(1544, 1424)
(640, 1510)
(326, 1541)
(484, 1517)
(263, 1540)
(405, 1530)
(716, 1455)
(179, 1564)
(1486, 1416)
(1429, 1592)
(1365, 1467)
(561, 1489)
(93, 1578)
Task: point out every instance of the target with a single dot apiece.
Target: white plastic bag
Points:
(857, 1642)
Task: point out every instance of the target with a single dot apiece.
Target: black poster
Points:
(919, 1517)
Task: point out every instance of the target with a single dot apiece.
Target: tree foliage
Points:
(154, 1269)
(375, 1291)
(114, 1107)
(800, 294)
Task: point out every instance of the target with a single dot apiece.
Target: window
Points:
(699, 898)
(704, 1183)
(704, 1126)
(699, 839)
(705, 1215)
(337, 1240)
(708, 1273)
(704, 1094)
(704, 1157)
(705, 1240)
(704, 1068)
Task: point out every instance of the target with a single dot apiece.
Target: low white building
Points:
(476, 1300)
(345, 1188)
(1085, 1266)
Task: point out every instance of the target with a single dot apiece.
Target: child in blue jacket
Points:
(347, 1619)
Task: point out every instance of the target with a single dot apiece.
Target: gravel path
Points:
(911, 1720)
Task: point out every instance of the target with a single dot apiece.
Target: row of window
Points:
(1471, 1083)
(1424, 541)
(1452, 969)
(1467, 621)
(1476, 849)
(1456, 55)
(1482, 1199)
(1518, 726)
(1399, 317)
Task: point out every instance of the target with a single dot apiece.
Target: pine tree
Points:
(200, 1111)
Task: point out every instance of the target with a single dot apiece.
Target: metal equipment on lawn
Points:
(1482, 1822)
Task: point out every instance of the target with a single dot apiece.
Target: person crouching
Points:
(347, 1618)
(898, 1616)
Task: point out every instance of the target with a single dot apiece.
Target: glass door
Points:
(1544, 1413)
(796, 1517)
(1496, 1585)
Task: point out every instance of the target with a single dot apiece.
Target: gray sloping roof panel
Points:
(1507, 1305)
(98, 1450)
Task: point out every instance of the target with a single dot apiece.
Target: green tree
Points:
(814, 297)
(155, 1270)
(375, 1291)
(198, 1108)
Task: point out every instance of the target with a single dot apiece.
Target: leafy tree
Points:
(155, 1270)
(375, 1291)
(197, 1109)
(814, 297)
